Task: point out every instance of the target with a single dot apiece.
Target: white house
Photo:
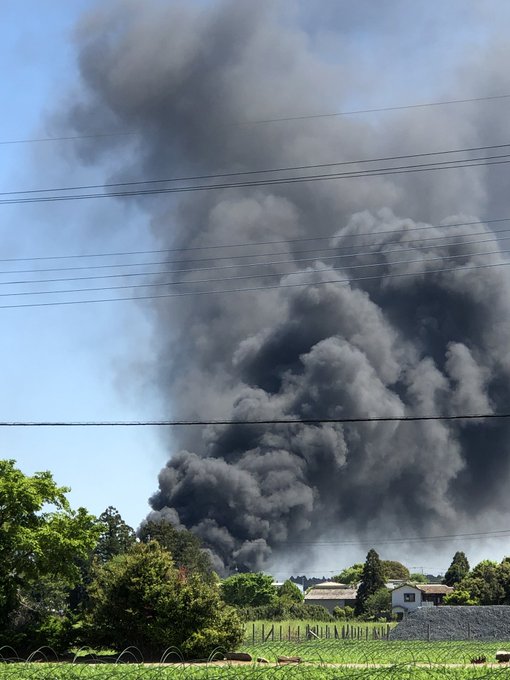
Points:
(410, 596)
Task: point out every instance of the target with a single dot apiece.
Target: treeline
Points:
(487, 584)
(70, 579)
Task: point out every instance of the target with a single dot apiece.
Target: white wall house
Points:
(408, 597)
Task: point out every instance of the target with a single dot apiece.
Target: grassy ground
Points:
(302, 672)
(322, 660)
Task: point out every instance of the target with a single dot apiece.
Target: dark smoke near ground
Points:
(186, 79)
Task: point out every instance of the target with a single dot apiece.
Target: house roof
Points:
(330, 584)
(435, 589)
(427, 588)
(331, 594)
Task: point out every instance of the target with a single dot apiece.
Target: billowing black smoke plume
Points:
(186, 79)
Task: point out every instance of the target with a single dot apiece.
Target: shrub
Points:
(140, 598)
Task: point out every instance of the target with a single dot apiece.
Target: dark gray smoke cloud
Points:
(183, 77)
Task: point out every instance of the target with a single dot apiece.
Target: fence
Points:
(286, 633)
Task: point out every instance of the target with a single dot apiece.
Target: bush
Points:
(339, 613)
(349, 612)
(140, 598)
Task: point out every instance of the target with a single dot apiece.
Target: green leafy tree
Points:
(418, 578)
(458, 570)
(395, 570)
(116, 536)
(372, 580)
(460, 597)
(249, 590)
(186, 549)
(378, 605)
(484, 583)
(140, 598)
(41, 538)
(289, 593)
(350, 575)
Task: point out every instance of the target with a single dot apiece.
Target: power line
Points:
(376, 172)
(245, 244)
(249, 265)
(260, 171)
(354, 112)
(275, 421)
(244, 277)
(281, 119)
(500, 533)
(253, 288)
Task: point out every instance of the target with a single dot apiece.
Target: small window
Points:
(409, 597)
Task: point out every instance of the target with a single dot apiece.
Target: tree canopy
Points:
(372, 580)
(140, 598)
(394, 570)
(249, 590)
(116, 536)
(289, 593)
(350, 575)
(458, 569)
(40, 536)
(186, 548)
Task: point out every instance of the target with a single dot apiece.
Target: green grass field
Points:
(322, 660)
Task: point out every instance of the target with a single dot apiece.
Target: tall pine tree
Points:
(372, 580)
(458, 569)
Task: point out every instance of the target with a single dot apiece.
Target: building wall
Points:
(330, 604)
(398, 598)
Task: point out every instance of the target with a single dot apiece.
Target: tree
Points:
(249, 590)
(350, 575)
(289, 593)
(116, 536)
(484, 583)
(37, 543)
(458, 569)
(460, 597)
(418, 578)
(372, 580)
(378, 605)
(186, 549)
(394, 570)
(140, 598)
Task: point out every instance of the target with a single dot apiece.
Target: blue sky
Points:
(72, 363)
(59, 362)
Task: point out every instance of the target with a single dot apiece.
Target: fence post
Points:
(263, 634)
(387, 631)
(253, 633)
(289, 633)
(298, 633)
(272, 633)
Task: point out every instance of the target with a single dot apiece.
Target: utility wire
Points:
(500, 533)
(267, 275)
(248, 243)
(268, 421)
(255, 288)
(281, 119)
(262, 171)
(376, 172)
(249, 265)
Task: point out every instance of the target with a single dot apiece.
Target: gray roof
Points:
(331, 594)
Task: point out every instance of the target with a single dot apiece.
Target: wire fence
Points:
(318, 659)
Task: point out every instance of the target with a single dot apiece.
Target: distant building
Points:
(409, 596)
(331, 594)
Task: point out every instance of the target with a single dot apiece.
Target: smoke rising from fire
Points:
(187, 80)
